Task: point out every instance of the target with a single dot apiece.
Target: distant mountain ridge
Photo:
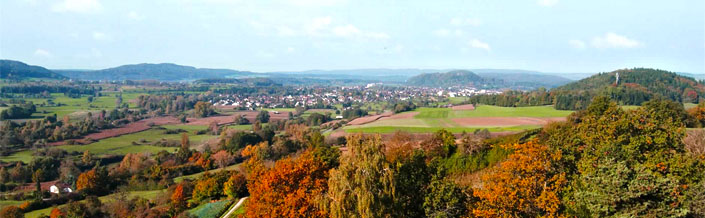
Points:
(10, 69)
(162, 72)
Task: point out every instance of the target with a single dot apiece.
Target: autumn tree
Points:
(223, 158)
(87, 158)
(527, 184)
(56, 213)
(236, 186)
(178, 198)
(441, 144)
(11, 212)
(92, 181)
(363, 184)
(209, 186)
(290, 189)
(184, 151)
(203, 109)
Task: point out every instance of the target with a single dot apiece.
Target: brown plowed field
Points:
(368, 119)
(463, 107)
(408, 115)
(129, 128)
(227, 119)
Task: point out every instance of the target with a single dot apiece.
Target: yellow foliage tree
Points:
(527, 184)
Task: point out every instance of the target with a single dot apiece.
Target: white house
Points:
(60, 188)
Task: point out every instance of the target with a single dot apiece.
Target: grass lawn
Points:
(457, 100)
(210, 210)
(189, 128)
(242, 127)
(24, 156)
(5, 203)
(241, 210)
(123, 144)
(392, 129)
(432, 113)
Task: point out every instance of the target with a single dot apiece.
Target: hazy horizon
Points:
(554, 36)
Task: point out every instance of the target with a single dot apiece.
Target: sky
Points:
(566, 36)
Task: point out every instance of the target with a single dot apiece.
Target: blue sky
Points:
(278, 35)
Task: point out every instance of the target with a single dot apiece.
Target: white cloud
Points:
(465, 21)
(476, 43)
(613, 40)
(318, 24)
(134, 16)
(78, 6)
(579, 44)
(100, 36)
(290, 49)
(319, 27)
(42, 53)
(547, 3)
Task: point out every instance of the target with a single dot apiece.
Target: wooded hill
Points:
(451, 78)
(634, 87)
(161, 72)
(19, 71)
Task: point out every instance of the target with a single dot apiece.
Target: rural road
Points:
(233, 209)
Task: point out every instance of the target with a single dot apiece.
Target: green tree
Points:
(444, 199)
(263, 117)
(363, 184)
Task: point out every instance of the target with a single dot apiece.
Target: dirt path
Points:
(234, 208)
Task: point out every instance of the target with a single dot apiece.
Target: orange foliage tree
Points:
(527, 184)
(87, 180)
(290, 189)
(56, 213)
(178, 198)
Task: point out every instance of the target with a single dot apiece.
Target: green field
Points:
(76, 107)
(496, 111)
(24, 156)
(433, 119)
(209, 210)
(392, 129)
(124, 144)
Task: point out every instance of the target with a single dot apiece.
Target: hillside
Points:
(635, 87)
(162, 72)
(451, 78)
(522, 79)
(10, 69)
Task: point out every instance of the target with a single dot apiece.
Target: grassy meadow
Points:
(433, 119)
